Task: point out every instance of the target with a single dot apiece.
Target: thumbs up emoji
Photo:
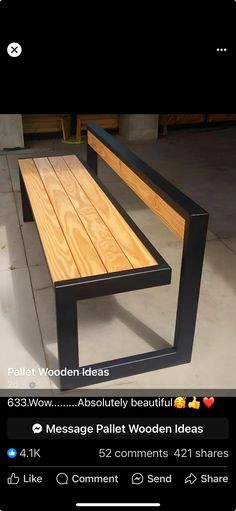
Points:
(194, 403)
(13, 479)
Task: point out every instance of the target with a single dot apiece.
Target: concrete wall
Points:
(11, 131)
(138, 127)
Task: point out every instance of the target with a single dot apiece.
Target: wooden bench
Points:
(47, 123)
(103, 120)
(93, 248)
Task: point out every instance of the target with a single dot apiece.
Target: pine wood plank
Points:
(42, 123)
(107, 247)
(131, 245)
(86, 258)
(167, 214)
(60, 260)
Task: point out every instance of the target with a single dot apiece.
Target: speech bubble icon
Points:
(62, 478)
(137, 478)
(37, 428)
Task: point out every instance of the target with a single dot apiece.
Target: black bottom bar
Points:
(123, 367)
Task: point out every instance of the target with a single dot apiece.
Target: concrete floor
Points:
(203, 165)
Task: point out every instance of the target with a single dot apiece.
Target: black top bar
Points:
(175, 198)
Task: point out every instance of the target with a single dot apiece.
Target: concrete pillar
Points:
(11, 131)
(138, 127)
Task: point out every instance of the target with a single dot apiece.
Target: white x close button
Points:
(14, 49)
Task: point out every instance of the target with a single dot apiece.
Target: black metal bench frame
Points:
(67, 293)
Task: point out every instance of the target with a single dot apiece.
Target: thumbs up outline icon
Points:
(13, 479)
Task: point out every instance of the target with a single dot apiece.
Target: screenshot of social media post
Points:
(117, 318)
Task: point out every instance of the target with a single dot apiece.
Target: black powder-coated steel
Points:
(26, 206)
(92, 159)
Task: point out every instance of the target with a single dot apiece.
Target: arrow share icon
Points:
(191, 479)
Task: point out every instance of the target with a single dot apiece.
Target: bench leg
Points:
(165, 130)
(67, 337)
(65, 124)
(190, 280)
(26, 207)
(92, 159)
(78, 129)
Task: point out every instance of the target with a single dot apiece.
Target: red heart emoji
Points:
(208, 401)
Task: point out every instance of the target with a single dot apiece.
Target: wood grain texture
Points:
(130, 244)
(85, 256)
(44, 123)
(166, 213)
(60, 260)
(107, 247)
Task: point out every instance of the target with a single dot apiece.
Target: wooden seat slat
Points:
(86, 258)
(107, 247)
(133, 248)
(60, 260)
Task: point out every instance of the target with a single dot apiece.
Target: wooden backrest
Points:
(169, 216)
(172, 206)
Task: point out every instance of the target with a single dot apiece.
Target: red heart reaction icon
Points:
(208, 401)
